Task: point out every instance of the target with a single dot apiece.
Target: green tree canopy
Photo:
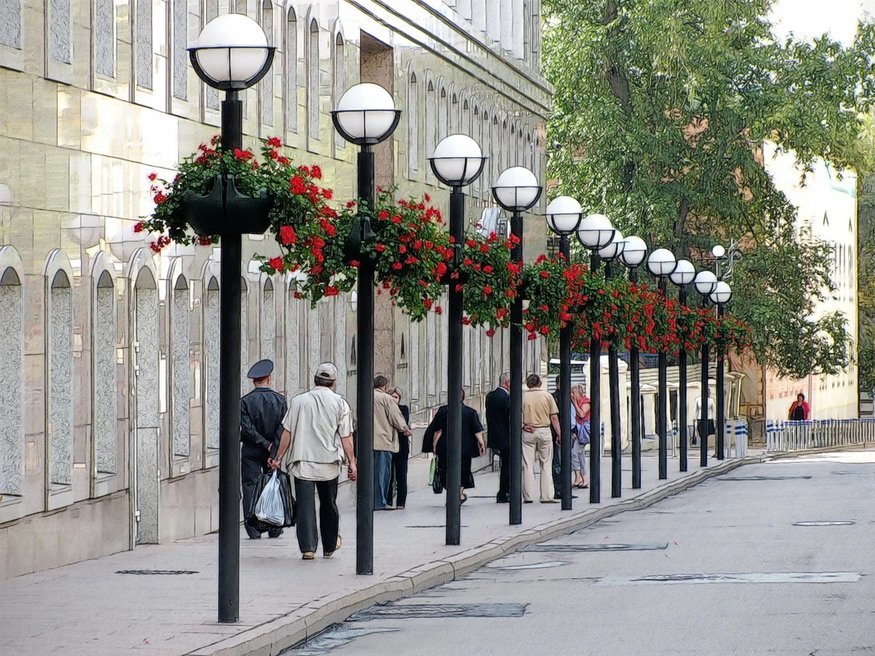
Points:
(660, 111)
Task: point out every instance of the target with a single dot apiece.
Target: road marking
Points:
(749, 577)
(840, 522)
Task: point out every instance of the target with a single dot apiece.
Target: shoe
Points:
(329, 554)
(275, 533)
(399, 507)
(386, 508)
(502, 499)
(463, 499)
(550, 500)
(308, 555)
(557, 496)
(254, 535)
(527, 502)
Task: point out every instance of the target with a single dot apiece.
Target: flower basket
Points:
(225, 211)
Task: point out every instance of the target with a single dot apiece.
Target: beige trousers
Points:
(538, 444)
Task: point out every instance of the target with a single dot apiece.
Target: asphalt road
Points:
(775, 558)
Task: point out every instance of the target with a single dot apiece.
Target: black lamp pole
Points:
(614, 397)
(565, 393)
(635, 392)
(230, 229)
(720, 420)
(703, 396)
(662, 401)
(682, 390)
(354, 249)
(595, 410)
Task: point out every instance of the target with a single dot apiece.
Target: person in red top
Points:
(800, 410)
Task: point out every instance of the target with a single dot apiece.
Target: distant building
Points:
(108, 352)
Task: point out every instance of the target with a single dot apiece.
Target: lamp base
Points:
(226, 211)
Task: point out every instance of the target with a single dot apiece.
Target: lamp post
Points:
(661, 264)
(457, 161)
(365, 116)
(610, 253)
(516, 190)
(563, 217)
(231, 54)
(720, 296)
(595, 232)
(634, 252)
(705, 282)
(683, 275)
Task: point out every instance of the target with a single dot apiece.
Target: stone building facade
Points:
(108, 351)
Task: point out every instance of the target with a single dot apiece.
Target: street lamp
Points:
(610, 253)
(661, 264)
(705, 283)
(595, 232)
(231, 53)
(633, 255)
(365, 116)
(683, 275)
(563, 217)
(720, 296)
(516, 190)
(457, 161)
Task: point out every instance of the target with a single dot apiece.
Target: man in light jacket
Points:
(388, 422)
(317, 434)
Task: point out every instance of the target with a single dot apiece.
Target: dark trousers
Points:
(250, 469)
(399, 473)
(504, 475)
(557, 470)
(329, 517)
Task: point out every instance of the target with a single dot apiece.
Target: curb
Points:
(271, 638)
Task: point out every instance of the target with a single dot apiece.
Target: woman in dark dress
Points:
(398, 484)
(472, 444)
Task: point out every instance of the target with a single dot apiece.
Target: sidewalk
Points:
(93, 608)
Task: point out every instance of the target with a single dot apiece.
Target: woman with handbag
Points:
(580, 431)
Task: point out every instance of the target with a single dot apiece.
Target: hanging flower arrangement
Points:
(556, 293)
(489, 279)
(292, 196)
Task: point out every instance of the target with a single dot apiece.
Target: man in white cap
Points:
(317, 434)
(261, 415)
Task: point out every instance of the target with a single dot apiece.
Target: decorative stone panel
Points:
(60, 43)
(179, 366)
(11, 385)
(10, 23)
(180, 54)
(212, 335)
(104, 37)
(105, 402)
(60, 364)
(143, 43)
(268, 322)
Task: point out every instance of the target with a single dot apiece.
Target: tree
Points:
(660, 111)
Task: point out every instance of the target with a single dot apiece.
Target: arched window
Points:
(339, 81)
(430, 123)
(443, 115)
(102, 32)
(291, 65)
(212, 339)
(59, 397)
(454, 114)
(179, 368)
(466, 118)
(268, 321)
(313, 80)
(178, 40)
(267, 81)
(11, 383)
(105, 415)
(142, 43)
(412, 127)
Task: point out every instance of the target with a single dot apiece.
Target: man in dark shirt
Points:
(261, 416)
(498, 432)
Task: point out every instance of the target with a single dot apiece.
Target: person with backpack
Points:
(580, 433)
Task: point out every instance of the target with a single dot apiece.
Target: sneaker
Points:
(308, 555)
(329, 554)
(549, 500)
(275, 533)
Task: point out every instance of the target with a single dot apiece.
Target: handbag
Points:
(437, 485)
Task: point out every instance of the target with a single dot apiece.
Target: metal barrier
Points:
(735, 438)
(783, 436)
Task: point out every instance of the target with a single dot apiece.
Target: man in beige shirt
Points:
(539, 413)
(388, 422)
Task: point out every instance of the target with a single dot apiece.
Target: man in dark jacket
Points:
(261, 416)
(498, 435)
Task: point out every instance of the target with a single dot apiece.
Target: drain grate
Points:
(840, 522)
(568, 548)
(431, 611)
(764, 478)
(156, 572)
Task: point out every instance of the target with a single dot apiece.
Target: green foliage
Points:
(660, 111)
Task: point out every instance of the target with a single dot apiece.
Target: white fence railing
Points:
(799, 435)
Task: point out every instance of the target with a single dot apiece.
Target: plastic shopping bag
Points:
(269, 507)
(432, 470)
(288, 500)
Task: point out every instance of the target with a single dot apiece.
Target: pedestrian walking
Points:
(472, 444)
(540, 412)
(580, 434)
(261, 416)
(388, 423)
(705, 430)
(317, 435)
(398, 484)
(498, 432)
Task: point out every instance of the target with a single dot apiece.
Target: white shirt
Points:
(712, 412)
(317, 420)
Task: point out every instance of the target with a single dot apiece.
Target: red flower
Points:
(152, 176)
(316, 173)
(490, 332)
(287, 235)
(397, 266)
(138, 227)
(331, 290)
(275, 142)
(297, 185)
(380, 248)
(327, 194)
(276, 263)
(487, 290)
(487, 269)
(533, 336)
(544, 274)
(427, 302)
(438, 310)
(545, 330)
(160, 198)
(242, 155)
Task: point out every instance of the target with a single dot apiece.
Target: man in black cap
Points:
(261, 416)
